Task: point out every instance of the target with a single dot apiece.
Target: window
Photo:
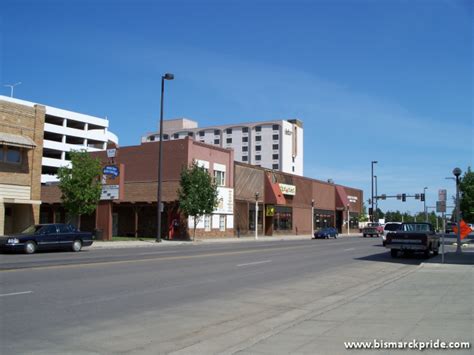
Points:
(275, 137)
(258, 129)
(245, 130)
(293, 159)
(282, 219)
(201, 134)
(258, 148)
(275, 156)
(152, 138)
(207, 223)
(245, 158)
(222, 222)
(245, 139)
(293, 168)
(10, 154)
(176, 135)
(258, 157)
(276, 127)
(258, 138)
(165, 137)
(217, 132)
(275, 147)
(229, 140)
(245, 149)
(228, 131)
(64, 228)
(219, 177)
(217, 141)
(275, 166)
(190, 134)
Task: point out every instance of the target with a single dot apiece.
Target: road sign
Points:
(441, 206)
(442, 195)
(111, 153)
(465, 229)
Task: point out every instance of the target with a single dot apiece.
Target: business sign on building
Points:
(225, 199)
(353, 199)
(110, 192)
(288, 189)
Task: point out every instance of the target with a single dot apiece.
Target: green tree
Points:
(363, 217)
(80, 185)
(466, 189)
(197, 193)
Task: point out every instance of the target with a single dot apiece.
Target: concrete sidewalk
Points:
(98, 244)
(434, 302)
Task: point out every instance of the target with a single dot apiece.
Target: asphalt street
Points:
(162, 300)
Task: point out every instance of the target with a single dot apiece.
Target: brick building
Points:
(21, 149)
(285, 200)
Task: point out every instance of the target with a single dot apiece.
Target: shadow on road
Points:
(465, 258)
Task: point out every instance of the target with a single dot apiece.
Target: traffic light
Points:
(422, 196)
(404, 197)
(371, 211)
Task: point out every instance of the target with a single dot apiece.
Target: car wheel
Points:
(393, 253)
(30, 247)
(435, 252)
(76, 245)
(364, 235)
(426, 254)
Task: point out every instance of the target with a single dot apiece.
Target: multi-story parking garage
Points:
(65, 131)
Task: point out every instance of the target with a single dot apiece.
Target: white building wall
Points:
(280, 158)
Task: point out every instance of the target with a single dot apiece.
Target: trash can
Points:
(98, 234)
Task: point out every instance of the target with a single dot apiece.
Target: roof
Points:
(16, 140)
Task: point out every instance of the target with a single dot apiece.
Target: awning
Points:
(19, 201)
(273, 194)
(341, 198)
(16, 140)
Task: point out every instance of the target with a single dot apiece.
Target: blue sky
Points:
(372, 80)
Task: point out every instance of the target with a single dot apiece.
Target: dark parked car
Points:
(413, 237)
(326, 233)
(46, 237)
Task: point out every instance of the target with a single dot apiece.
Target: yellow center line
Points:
(163, 258)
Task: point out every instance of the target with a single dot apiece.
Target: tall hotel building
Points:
(276, 145)
(65, 131)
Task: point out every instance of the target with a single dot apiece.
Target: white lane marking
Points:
(160, 253)
(16, 293)
(349, 249)
(255, 263)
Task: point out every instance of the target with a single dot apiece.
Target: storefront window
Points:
(283, 218)
(323, 218)
(252, 217)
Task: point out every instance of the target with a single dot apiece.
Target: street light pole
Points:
(457, 173)
(312, 218)
(167, 76)
(372, 216)
(256, 216)
(376, 200)
(348, 219)
(424, 204)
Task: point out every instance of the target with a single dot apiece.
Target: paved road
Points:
(164, 300)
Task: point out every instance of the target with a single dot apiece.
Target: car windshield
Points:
(32, 229)
(374, 224)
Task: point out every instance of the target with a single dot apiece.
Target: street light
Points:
(457, 172)
(167, 76)
(11, 86)
(256, 215)
(424, 204)
(372, 216)
(376, 199)
(312, 218)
